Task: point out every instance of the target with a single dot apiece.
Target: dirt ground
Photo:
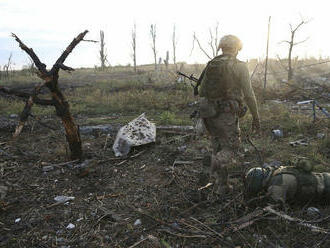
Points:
(152, 198)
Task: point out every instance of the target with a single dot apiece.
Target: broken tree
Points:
(58, 100)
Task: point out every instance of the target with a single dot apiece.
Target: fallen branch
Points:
(182, 235)
(25, 96)
(27, 110)
(296, 220)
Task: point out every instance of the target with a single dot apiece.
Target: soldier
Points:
(224, 84)
(288, 183)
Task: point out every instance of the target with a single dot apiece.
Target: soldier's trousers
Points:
(225, 138)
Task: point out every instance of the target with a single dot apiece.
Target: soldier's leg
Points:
(228, 141)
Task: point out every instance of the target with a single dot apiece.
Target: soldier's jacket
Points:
(294, 184)
(227, 78)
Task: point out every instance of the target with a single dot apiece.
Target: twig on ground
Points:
(230, 202)
(296, 220)
(208, 228)
(137, 243)
(182, 235)
(193, 207)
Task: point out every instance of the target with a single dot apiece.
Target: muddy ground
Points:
(152, 198)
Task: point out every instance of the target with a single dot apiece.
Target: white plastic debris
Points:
(63, 198)
(70, 226)
(139, 131)
(305, 102)
(301, 142)
(277, 133)
(13, 116)
(18, 220)
(313, 212)
(137, 222)
(47, 168)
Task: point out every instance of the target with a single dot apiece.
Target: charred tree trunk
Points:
(103, 55)
(290, 71)
(58, 100)
(134, 46)
(153, 45)
(174, 43)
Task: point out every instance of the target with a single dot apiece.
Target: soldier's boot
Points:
(220, 172)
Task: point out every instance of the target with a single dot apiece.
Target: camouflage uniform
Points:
(288, 183)
(220, 108)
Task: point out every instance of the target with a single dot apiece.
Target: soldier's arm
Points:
(245, 84)
(282, 188)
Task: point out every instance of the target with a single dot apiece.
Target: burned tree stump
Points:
(58, 100)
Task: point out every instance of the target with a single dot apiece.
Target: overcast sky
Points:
(48, 27)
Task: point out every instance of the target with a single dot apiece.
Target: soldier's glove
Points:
(256, 125)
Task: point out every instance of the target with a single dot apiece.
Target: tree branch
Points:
(200, 46)
(66, 53)
(299, 42)
(41, 66)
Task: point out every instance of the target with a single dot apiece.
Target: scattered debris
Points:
(13, 116)
(277, 133)
(70, 226)
(47, 168)
(18, 220)
(301, 142)
(63, 198)
(137, 222)
(138, 132)
(320, 135)
(205, 187)
(313, 212)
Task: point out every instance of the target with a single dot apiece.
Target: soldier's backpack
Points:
(219, 78)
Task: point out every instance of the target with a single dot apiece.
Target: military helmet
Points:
(230, 42)
(254, 180)
(304, 164)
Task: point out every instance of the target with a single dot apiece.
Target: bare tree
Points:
(267, 48)
(292, 43)
(213, 42)
(7, 66)
(103, 54)
(153, 44)
(31, 67)
(166, 60)
(174, 43)
(134, 46)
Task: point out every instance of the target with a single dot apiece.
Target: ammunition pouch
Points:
(207, 109)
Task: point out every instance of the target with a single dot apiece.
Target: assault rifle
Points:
(192, 78)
